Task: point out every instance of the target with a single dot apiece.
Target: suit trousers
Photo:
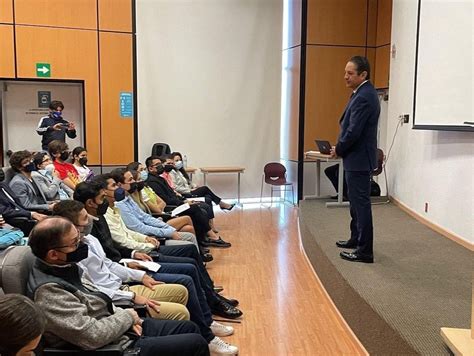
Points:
(171, 338)
(362, 231)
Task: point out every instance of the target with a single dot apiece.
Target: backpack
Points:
(374, 189)
(10, 236)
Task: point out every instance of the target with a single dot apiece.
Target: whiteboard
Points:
(444, 62)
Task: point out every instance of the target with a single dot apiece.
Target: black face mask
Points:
(140, 185)
(83, 161)
(168, 168)
(133, 188)
(102, 208)
(119, 194)
(30, 167)
(64, 155)
(160, 169)
(81, 252)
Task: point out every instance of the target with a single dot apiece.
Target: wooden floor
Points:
(286, 310)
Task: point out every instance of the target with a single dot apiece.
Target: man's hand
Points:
(152, 241)
(136, 318)
(58, 127)
(150, 282)
(135, 265)
(150, 303)
(142, 256)
(71, 126)
(137, 329)
(333, 152)
(38, 216)
(51, 206)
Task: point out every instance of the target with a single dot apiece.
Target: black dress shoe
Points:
(218, 289)
(346, 244)
(204, 250)
(355, 257)
(229, 208)
(216, 243)
(225, 310)
(207, 257)
(233, 302)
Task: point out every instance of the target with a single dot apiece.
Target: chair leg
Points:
(261, 190)
(292, 194)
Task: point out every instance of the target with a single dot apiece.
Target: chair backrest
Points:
(7, 174)
(380, 157)
(15, 266)
(160, 149)
(274, 171)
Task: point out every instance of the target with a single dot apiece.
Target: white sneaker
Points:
(218, 346)
(219, 329)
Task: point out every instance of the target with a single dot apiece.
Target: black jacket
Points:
(163, 190)
(10, 206)
(45, 128)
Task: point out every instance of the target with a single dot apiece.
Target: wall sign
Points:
(44, 99)
(43, 70)
(126, 104)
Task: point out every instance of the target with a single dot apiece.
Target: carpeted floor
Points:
(420, 281)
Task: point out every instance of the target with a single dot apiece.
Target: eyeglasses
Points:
(75, 244)
(46, 160)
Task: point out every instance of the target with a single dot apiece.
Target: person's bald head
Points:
(50, 234)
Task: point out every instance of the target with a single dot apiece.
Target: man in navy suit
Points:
(357, 145)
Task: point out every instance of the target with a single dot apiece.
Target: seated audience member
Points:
(153, 202)
(111, 278)
(180, 223)
(47, 179)
(120, 184)
(204, 233)
(173, 259)
(182, 186)
(21, 325)
(25, 188)
(79, 160)
(332, 172)
(67, 172)
(78, 313)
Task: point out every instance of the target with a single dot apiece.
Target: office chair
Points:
(274, 174)
(160, 149)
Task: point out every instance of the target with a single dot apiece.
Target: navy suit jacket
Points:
(357, 142)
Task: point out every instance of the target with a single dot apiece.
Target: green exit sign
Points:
(43, 70)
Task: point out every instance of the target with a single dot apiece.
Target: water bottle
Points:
(185, 161)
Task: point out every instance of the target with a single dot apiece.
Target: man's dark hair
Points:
(55, 104)
(57, 146)
(68, 209)
(362, 64)
(17, 157)
(88, 190)
(133, 166)
(21, 321)
(48, 234)
(118, 174)
(38, 159)
(150, 159)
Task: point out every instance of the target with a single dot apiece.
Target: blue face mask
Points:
(144, 175)
(178, 164)
(119, 194)
(57, 114)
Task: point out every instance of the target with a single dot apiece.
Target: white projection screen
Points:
(443, 94)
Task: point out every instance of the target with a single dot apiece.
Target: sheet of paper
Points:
(201, 199)
(179, 209)
(149, 265)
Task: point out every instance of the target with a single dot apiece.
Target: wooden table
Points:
(219, 170)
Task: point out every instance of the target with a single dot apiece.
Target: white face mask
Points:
(49, 167)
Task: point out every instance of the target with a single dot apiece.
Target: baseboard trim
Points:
(439, 229)
(341, 319)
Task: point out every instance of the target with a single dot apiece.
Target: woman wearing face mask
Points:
(47, 179)
(59, 152)
(21, 325)
(181, 184)
(26, 189)
(79, 160)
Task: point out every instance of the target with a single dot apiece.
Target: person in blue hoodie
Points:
(54, 126)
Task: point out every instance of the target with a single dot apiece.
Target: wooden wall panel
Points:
(382, 67)
(115, 15)
(7, 56)
(384, 22)
(372, 23)
(6, 11)
(337, 22)
(116, 76)
(371, 57)
(326, 92)
(61, 13)
(74, 56)
(294, 23)
(291, 100)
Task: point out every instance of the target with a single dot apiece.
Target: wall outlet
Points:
(406, 118)
(426, 207)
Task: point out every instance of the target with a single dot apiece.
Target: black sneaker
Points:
(216, 243)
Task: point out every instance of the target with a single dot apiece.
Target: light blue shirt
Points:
(137, 220)
(108, 276)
